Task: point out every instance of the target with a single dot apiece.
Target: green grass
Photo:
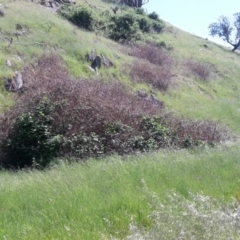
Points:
(48, 32)
(97, 199)
(216, 99)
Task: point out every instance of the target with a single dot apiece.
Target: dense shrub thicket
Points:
(131, 25)
(61, 116)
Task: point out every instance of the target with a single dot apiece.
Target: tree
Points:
(135, 3)
(227, 30)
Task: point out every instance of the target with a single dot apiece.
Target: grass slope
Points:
(215, 99)
(97, 199)
(50, 33)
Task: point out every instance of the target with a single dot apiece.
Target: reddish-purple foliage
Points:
(154, 66)
(82, 107)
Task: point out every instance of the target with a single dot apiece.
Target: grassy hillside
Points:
(158, 195)
(47, 32)
(215, 99)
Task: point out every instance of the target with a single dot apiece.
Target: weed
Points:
(202, 70)
(153, 54)
(157, 76)
(199, 217)
(155, 66)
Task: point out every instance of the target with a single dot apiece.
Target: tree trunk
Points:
(236, 46)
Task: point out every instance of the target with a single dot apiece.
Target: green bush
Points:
(157, 26)
(30, 142)
(139, 11)
(120, 138)
(124, 27)
(131, 26)
(154, 16)
(155, 131)
(82, 16)
(145, 23)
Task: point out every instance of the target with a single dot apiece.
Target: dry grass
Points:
(191, 132)
(153, 54)
(157, 76)
(154, 66)
(200, 217)
(202, 70)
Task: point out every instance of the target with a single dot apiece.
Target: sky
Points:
(193, 16)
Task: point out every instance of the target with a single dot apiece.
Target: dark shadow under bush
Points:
(30, 141)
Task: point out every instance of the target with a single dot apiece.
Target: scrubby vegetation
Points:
(156, 66)
(129, 26)
(82, 118)
(202, 70)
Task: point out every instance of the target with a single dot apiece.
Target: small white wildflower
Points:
(67, 228)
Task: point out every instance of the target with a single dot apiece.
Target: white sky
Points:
(193, 16)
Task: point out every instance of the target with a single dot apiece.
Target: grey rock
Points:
(19, 27)
(106, 61)
(142, 94)
(53, 4)
(14, 84)
(18, 58)
(69, 1)
(2, 13)
(18, 80)
(9, 63)
(156, 101)
(90, 56)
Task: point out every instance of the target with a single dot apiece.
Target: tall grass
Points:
(98, 199)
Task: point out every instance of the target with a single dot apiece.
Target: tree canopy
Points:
(227, 29)
(135, 3)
